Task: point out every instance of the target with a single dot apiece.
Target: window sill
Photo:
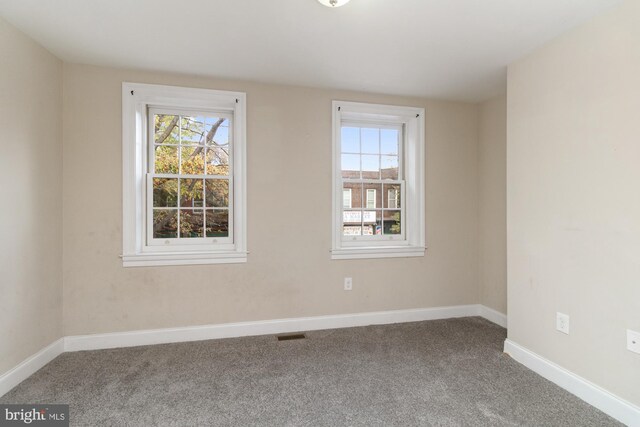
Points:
(378, 252)
(183, 258)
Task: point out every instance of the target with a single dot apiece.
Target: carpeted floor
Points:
(443, 372)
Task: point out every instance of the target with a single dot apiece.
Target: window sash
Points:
(170, 244)
(152, 111)
(382, 238)
(382, 125)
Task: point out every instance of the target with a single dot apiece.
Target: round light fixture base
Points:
(333, 3)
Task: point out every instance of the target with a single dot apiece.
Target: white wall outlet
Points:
(348, 283)
(562, 322)
(633, 341)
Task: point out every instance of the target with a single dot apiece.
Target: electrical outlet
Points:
(633, 341)
(562, 322)
(348, 283)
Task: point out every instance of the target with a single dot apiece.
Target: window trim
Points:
(137, 98)
(413, 199)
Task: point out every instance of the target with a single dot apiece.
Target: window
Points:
(184, 176)
(371, 198)
(346, 198)
(190, 175)
(378, 151)
(392, 199)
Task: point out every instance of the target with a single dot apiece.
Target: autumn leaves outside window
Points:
(190, 175)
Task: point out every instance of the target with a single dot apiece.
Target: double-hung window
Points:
(184, 185)
(190, 179)
(379, 165)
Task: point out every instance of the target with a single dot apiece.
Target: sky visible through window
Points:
(370, 169)
(191, 184)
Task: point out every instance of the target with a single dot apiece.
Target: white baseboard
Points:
(493, 315)
(29, 366)
(230, 330)
(594, 395)
(263, 327)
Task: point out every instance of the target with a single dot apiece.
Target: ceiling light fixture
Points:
(334, 3)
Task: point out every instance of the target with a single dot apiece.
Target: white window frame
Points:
(138, 250)
(411, 243)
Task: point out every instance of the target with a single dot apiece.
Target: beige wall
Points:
(289, 273)
(573, 197)
(492, 199)
(31, 194)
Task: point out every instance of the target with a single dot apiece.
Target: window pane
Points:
(351, 230)
(389, 167)
(351, 166)
(165, 192)
(355, 190)
(165, 223)
(217, 193)
(218, 160)
(373, 194)
(370, 140)
(372, 223)
(389, 141)
(191, 223)
(192, 161)
(370, 167)
(191, 193)
(217, 223)
(352, 223)
(392, 196)
(216, 131)
(167, 129)
(350, 140)
(192, 130)
(166, 159)
(392, 222)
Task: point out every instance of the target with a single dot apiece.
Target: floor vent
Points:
(291, 337)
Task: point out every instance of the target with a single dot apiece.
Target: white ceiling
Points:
(451, 49)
